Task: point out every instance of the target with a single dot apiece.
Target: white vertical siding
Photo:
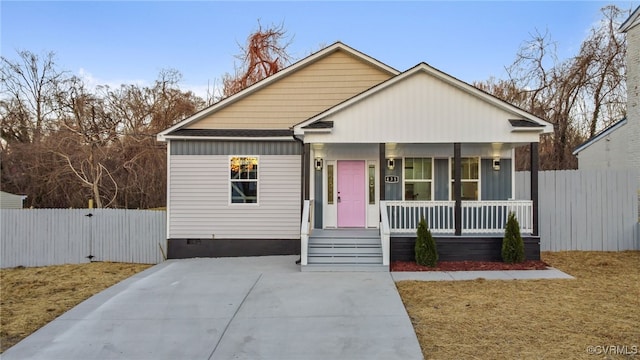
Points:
(422, 109)
(42, 237)
(200, 205)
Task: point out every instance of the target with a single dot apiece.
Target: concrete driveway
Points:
(232, 308)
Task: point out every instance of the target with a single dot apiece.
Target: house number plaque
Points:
(391, 179)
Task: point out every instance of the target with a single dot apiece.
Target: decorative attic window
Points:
(243, 180)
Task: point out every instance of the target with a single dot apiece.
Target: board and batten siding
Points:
(199, 204)
(422, 109)
(313, 89)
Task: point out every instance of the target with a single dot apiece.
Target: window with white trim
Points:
(243, 179)
(470, 178)
(418, 178)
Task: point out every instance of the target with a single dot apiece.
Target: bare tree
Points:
(264, 55)
(602, 55)
(579, 95)
(29, 86)
(87, 131)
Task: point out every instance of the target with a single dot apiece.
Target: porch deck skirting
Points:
(462, 248)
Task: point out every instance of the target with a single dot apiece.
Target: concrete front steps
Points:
(345, 250)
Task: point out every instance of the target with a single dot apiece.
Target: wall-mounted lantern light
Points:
(318, 163)
(391, 164)
(496, 163)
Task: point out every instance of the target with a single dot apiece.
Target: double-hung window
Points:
(470, 178)
(418, 178)
(243, 179)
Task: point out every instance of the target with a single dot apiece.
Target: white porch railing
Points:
(405, 215)
(478, 217)
(305, 230)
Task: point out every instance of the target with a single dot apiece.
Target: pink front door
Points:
(351, 194)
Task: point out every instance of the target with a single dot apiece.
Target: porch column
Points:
(306, 164)
(382, 161)
(534, 184)
(457, 188)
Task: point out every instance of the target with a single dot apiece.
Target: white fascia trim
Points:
(227, 138)
(275, 77)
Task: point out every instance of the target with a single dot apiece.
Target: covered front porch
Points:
(422, 144)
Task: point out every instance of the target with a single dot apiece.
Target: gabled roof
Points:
(273, 78)
(533, 123)
(602, 134)
(633, 20)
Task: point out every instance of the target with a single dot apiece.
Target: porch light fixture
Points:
(391, 164)
(496, 163)
(318, 163)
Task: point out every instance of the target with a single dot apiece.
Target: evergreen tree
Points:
(426, 251)
(512, 243)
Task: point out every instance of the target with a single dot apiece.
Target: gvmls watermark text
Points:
(612, 349)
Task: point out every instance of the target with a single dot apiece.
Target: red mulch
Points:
(468, 266)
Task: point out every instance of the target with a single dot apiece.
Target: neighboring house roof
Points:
(632, 21)
(602, 134)
(338, 46)
(529, 122)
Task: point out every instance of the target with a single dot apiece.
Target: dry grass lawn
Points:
(532, 319)
(32, 297)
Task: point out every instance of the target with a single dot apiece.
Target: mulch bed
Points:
(468, 266)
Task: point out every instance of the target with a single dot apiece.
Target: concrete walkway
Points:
(232, 308)
(550, 273)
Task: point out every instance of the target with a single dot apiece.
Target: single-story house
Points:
(338, 156)
(605, 150)
(11, 201)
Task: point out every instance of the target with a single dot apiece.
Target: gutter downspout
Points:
(302, 184)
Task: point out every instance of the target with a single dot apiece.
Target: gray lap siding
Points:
(199, 206)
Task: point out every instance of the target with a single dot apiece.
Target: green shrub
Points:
(512, 243)
(426, 251)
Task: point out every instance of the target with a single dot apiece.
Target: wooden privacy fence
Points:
(41, 237)
(585, 209)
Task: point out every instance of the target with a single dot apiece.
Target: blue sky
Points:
(114, 42)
